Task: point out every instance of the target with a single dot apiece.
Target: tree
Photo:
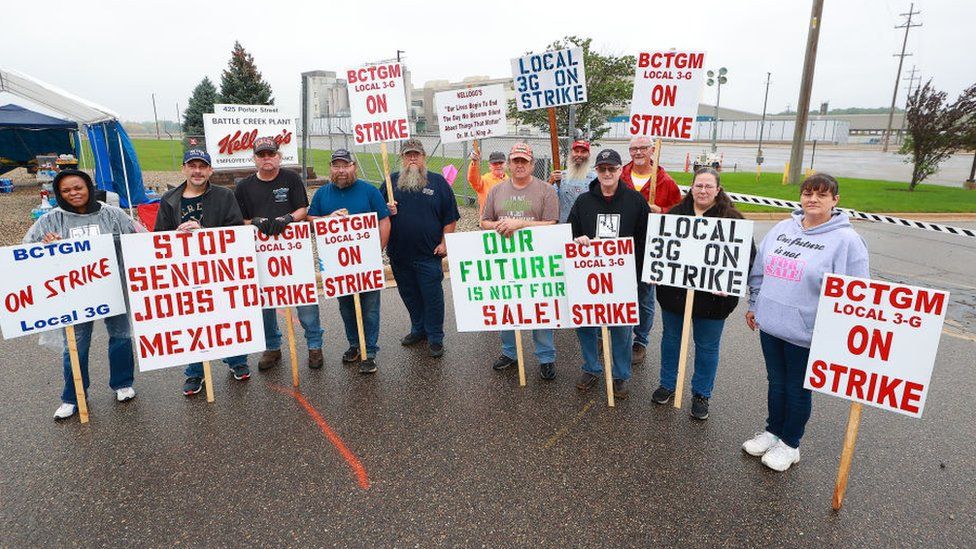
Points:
(241, 82)
(202, 101)
(936, 129)
(608, 90)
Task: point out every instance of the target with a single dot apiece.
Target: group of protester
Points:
(608, 200)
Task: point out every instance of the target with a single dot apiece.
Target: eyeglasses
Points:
(607, 169)
(704, 187)
(637, 149)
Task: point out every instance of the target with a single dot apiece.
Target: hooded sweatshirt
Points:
(95, 218)
(784, 284)
(623, 215)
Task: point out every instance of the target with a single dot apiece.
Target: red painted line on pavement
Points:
(351, 459)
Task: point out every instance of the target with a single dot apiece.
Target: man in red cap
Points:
(575, 179)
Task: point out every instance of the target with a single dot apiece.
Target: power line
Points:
(907, 25)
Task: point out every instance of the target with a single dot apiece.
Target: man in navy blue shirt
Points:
(348, 195)
(422, 210)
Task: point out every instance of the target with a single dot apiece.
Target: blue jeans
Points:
(645, 302)
(195, 369)
(419, 283)
(121, 364)
(308, 316)
(620, 350)
(545, 351)
(707, 333)
(788, 402)
(370, 304)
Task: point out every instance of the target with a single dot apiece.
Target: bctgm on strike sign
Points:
(66, 282)
(710, 254)
(509, 283)
(475, 113)
(350, 254)
(601, 283)
(194, 296)
(231, 130)
(549, 79)
(286, 267)
(875, 342)
(667, 88)
(378, 103)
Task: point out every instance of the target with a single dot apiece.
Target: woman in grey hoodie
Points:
(784, 287)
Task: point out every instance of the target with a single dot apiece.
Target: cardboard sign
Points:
(601, 283)
(549, 79)
(378, 103)
(501, 283)
(50, 286)
(231, 130)
(474, 113)
(698, 253)
(286, 267)
(667, 88)
(875, 342)
(350, 255)
(193, 296)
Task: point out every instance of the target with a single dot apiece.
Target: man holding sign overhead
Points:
(609, 210)
(523, 201)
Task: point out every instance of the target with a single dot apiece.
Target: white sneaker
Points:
(760, 443)
(781, 457)
(125, 393)
(65, 411)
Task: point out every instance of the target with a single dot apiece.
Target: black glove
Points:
(261, 223)
(275, 227)
(285, 219)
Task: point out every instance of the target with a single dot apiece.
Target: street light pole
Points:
(762, 123)
(719, 79)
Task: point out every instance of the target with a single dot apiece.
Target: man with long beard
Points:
(575, 179)
(637, 175)
(423, 208)
(348, 195)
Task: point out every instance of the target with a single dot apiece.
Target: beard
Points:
(341, 181)
(576, 171)
(412, 179)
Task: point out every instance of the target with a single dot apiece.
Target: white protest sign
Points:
(549, 79)
(875, 342)
(231, 130)
(66, 282)
(378, 103)
(698, 253)
(286, 267)
(194, 296)
(601, 283)
(350, 255)
(475, 113)
(667, 89)
(512, 283)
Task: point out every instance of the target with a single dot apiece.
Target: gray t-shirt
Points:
(536, 202)
(569, 191)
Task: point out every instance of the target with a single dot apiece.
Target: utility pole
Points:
(155, 117)
(901, 59)
(911, 78)
(762, 123)
(806, 85)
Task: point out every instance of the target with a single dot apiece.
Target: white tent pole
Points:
(125, 175)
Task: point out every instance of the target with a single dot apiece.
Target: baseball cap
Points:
(196, 154)
(521, 150)
(496, 156)
(262, 144)
(581, 143)
(608, 156)
(341, 154)
(412, 145)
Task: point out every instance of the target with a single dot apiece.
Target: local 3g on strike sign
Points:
(875, 342)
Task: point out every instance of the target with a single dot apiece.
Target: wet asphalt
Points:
(449, 452)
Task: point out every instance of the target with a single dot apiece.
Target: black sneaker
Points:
(586, 380)
(192, 386)
(435, 350)
(620, 389)
(241, 372)
(412, 339)
(699, 407)
(367, 366)
(662, 395)
(547, 370)
(351, 355)
(503, 363)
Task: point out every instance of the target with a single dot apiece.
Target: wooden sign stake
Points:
(208, 380)
(359, 327)
(652, 192)
(554, 138)
(76, 373)
(607, 365)
(293, 354)
(386, 171)
(518, 352)
(847, 455)
(683, 357)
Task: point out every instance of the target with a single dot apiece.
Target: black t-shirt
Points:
(280, 196)
(191, 209)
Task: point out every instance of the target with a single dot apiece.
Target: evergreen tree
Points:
(202, 101)
(241, 82)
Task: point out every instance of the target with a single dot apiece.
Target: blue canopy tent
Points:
(24, 134)
(116, 166)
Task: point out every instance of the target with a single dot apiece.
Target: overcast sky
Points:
(117, 53)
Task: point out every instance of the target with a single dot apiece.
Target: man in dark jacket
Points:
(196, 204)
(609, 210)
